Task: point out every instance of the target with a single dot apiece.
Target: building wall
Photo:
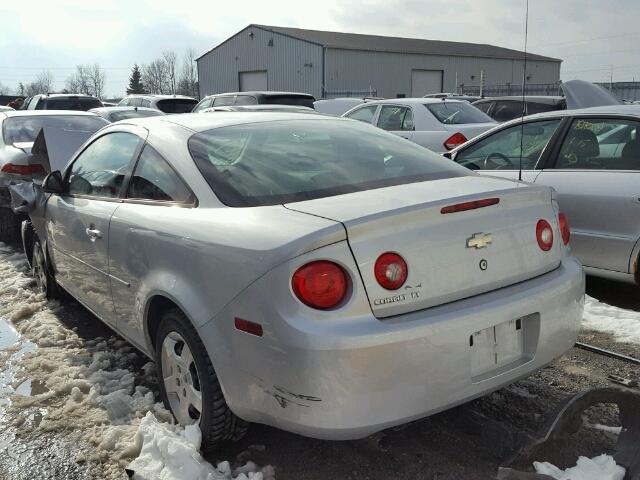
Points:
(389, 74)
(291, 64)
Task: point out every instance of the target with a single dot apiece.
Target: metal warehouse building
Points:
(330, 64)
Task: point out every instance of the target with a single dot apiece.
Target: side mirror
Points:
(53, 183)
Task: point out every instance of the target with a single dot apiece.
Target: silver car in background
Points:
(307, 272)
(19, 130)
(591, 157)
(115, 113)
(437, 124)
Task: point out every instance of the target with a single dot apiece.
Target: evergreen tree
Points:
(135, 83)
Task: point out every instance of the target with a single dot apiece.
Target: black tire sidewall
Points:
(51, 283)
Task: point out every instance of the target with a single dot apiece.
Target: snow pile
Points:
(171, 453)
(97, 391)
(623, 324)
(602, 467)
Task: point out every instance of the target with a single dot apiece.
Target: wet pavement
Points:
(37, 443)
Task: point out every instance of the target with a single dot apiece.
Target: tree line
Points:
(165, 74)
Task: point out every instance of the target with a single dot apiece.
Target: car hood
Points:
(582, 94)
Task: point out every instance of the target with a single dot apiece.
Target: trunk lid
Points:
(442, 266)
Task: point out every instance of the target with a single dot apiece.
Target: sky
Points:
(595, 38)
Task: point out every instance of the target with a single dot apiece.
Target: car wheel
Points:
(9, 226)
(189, 385)
(45, 280)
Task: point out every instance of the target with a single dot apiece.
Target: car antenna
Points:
(524, 80)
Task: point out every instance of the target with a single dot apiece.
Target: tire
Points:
(41, 270)
(182, 359)
(10, 224)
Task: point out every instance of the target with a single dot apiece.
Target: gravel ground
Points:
(469, 442)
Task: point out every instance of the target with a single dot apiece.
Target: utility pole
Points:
(611, 78)
(481, 83)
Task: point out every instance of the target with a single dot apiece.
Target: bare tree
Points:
(4, 90)
(154, 76)
(80, 81)
(42, 84)
(96, 80)
(169, 58)
(188, 82)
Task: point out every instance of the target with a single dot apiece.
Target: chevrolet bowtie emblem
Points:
(479, 240)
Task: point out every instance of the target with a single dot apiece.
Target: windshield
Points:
(177, 105)
(456, 113)
(124, 114)
(25, 129)
(298, 100)
(70, 103)
(285, 161)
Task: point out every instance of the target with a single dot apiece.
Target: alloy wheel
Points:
(40, 269)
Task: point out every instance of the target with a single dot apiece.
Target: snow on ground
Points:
(89, 390)
(602, 467)
(623, 324)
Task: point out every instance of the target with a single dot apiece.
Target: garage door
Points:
(253, 81)
(424, 82)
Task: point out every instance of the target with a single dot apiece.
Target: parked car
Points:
(287, 269)
(61, 101)
(439, 125)
(108, 104)
(4, 108)
(591, 157)
(453, 96)
(254, 98)
(260, 108)
(19, 131)
(503, 109)
(339, 106)
(114, 114)
(164, 103)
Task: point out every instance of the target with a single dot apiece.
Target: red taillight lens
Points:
(34, 169)
(321, 284)
(391, 271)
(544, 235)
(564, 228)
(454, 140)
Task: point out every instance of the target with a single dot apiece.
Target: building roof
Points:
(379, 43)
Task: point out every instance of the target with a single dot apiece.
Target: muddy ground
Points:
(469, 442)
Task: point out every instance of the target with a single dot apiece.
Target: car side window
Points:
(395, 118)
(154, 179)
(364, 114)
(501, 151)
(101, 167)
(506, 110)
(125, 102)
(483, 106)
(600, 144)
(135, 102)
(146, 103)
(245, 100)
(206, 103)
(221, 101)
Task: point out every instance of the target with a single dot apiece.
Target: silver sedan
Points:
(312, 273)
(591, 157)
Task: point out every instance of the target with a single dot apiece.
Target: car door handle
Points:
(93, 234)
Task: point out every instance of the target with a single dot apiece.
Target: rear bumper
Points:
(346, 382)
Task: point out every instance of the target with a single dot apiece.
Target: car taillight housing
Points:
(564, 228)
(320, 284)
(34, 169)
(454, 140)
(544, 235)
(390, 271)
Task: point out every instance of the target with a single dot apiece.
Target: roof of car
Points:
(550, 100)
(200, 122)
(121, 108)
(68, 95)
(629, 110)
(416, 101)
(39, 113)
(265, 93)
(159, 96)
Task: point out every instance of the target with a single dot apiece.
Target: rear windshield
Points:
(25, 129)
(177, 105)
(301, 101)
(69, 103)
(268, 163)
(125, 114)
(456, 113)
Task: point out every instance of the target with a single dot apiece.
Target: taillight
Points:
(544, 235)
(390, 271)
(34, 169)
(454, 140)
(564, 228)
(472, 205)
(320, 284)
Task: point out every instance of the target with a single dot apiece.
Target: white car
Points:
(437, 124)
